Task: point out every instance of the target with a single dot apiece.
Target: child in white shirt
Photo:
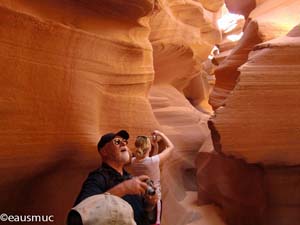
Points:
(144, 164)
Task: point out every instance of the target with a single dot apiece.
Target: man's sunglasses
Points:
(118, 141)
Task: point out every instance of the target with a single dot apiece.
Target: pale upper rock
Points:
(276, 18)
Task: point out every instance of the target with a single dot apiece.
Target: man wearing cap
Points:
(111, 178)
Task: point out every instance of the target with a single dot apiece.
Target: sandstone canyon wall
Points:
(70, 71)
(182, 35)
(256, 86)
(73, 70)
(268, 84)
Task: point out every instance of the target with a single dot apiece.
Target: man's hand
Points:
(134, 186)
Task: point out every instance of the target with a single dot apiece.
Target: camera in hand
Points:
(150, 187)
(154, 137)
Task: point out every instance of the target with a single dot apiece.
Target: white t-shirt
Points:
(148, 166)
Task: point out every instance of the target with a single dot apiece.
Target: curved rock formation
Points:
(258, 122)
(235, 186)
(212, 6)
(261, 26)
(260, 125)
(227, 72)
(221, 181)
(187, 128)
(267, 91)
(270, 26)
(241, 7)
(182, 36)
(71, 70)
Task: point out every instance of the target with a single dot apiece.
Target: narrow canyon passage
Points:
(220, 78)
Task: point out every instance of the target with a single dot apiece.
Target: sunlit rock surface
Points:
(182, 36)
(73, 70)
(276, 18)
(70, 71)
(261, 26)
(227, 73)
(241, 7)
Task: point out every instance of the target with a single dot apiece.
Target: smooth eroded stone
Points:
(233, 185)
(69, 73)
(260, 121)
(227, 72)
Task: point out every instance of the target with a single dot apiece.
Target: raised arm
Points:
(165, 154)
(154, 144)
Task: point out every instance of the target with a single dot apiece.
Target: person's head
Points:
(143, 146)
(113, 147)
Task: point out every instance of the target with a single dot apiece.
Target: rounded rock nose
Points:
(130, 9)
(240, 7)
(295, 32)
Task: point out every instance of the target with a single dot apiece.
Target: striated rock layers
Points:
(264, 105)
(261, 26)
(226, 73)
(182, 36)
(237, 187)
(259, 124)
(70, 71)
(73, 70)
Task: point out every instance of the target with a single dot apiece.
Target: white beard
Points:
(124, 157)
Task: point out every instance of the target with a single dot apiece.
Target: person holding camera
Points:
(111, 178)
(145, 164)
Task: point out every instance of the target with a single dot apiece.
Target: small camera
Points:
(154, 137)
(150, 187)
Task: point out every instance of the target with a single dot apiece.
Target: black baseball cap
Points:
(109, 136)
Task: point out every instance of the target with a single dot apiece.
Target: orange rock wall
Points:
(73, 70)
(269, 84)
(227, 73)
(256, 97)
(261, 25)
(182, 36)
(70, 71)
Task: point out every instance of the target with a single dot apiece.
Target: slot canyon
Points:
(220, 78)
